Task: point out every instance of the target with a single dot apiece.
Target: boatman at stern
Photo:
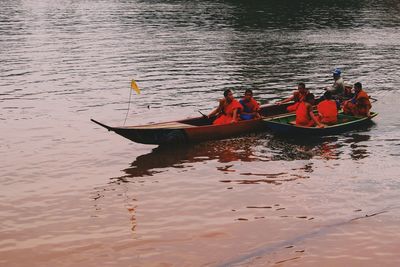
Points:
(337, 89)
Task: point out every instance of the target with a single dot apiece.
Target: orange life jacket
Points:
(250, 106)
(359, 105)
(227, 113)
(297, 98)
(362, 103)
(302, 115)
(328, 111)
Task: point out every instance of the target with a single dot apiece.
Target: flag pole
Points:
(135, 87)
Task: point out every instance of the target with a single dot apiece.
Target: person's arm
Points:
(337, 87)
(234, 115)
(217, 110)
(257, 112)
(285, 100)
(331, 89)
(313, 117)
(257, 108)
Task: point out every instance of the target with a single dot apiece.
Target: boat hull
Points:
(153, 136)
(193, 130)
(281, 125)
(212, 132)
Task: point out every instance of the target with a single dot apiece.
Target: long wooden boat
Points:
(193, 130)
(284, 125)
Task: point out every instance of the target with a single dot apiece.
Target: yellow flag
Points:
(135, 87)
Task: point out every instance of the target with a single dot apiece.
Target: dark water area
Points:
(73, 194)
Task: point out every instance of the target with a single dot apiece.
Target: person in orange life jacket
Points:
(327, 109)
(250, 106)
(304, 113)
(359, 105)
(297, 97)
(227, 110)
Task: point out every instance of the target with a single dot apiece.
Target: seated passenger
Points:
(250, 106)
(297, 97)
(228, 109)
(337, 89)
(327, 110)
(304, 113)
(359, 105)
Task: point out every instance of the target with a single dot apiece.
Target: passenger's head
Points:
(302, 87)
(310, 98)
(357, 86)
(228, 94)
(248, 94)
(328, 95)
(336, 73)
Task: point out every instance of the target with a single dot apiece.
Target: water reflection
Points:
(260, 147)
(306, 148)
(59, 57)
(114, 190)
(358, 149)
(248, 160)
(163, 157)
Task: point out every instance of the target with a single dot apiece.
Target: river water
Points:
(72, 194)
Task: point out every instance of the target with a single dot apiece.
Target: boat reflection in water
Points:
(306, 148)
(325, 147)
(254, 148)
(224, 151)
(358, 150)
(250, 160)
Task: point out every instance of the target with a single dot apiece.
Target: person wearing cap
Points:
(297, 97)
(338, 88)
(227, 110)
(359, 105)
(250, 106)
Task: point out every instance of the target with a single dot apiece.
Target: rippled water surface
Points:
(72, 194)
